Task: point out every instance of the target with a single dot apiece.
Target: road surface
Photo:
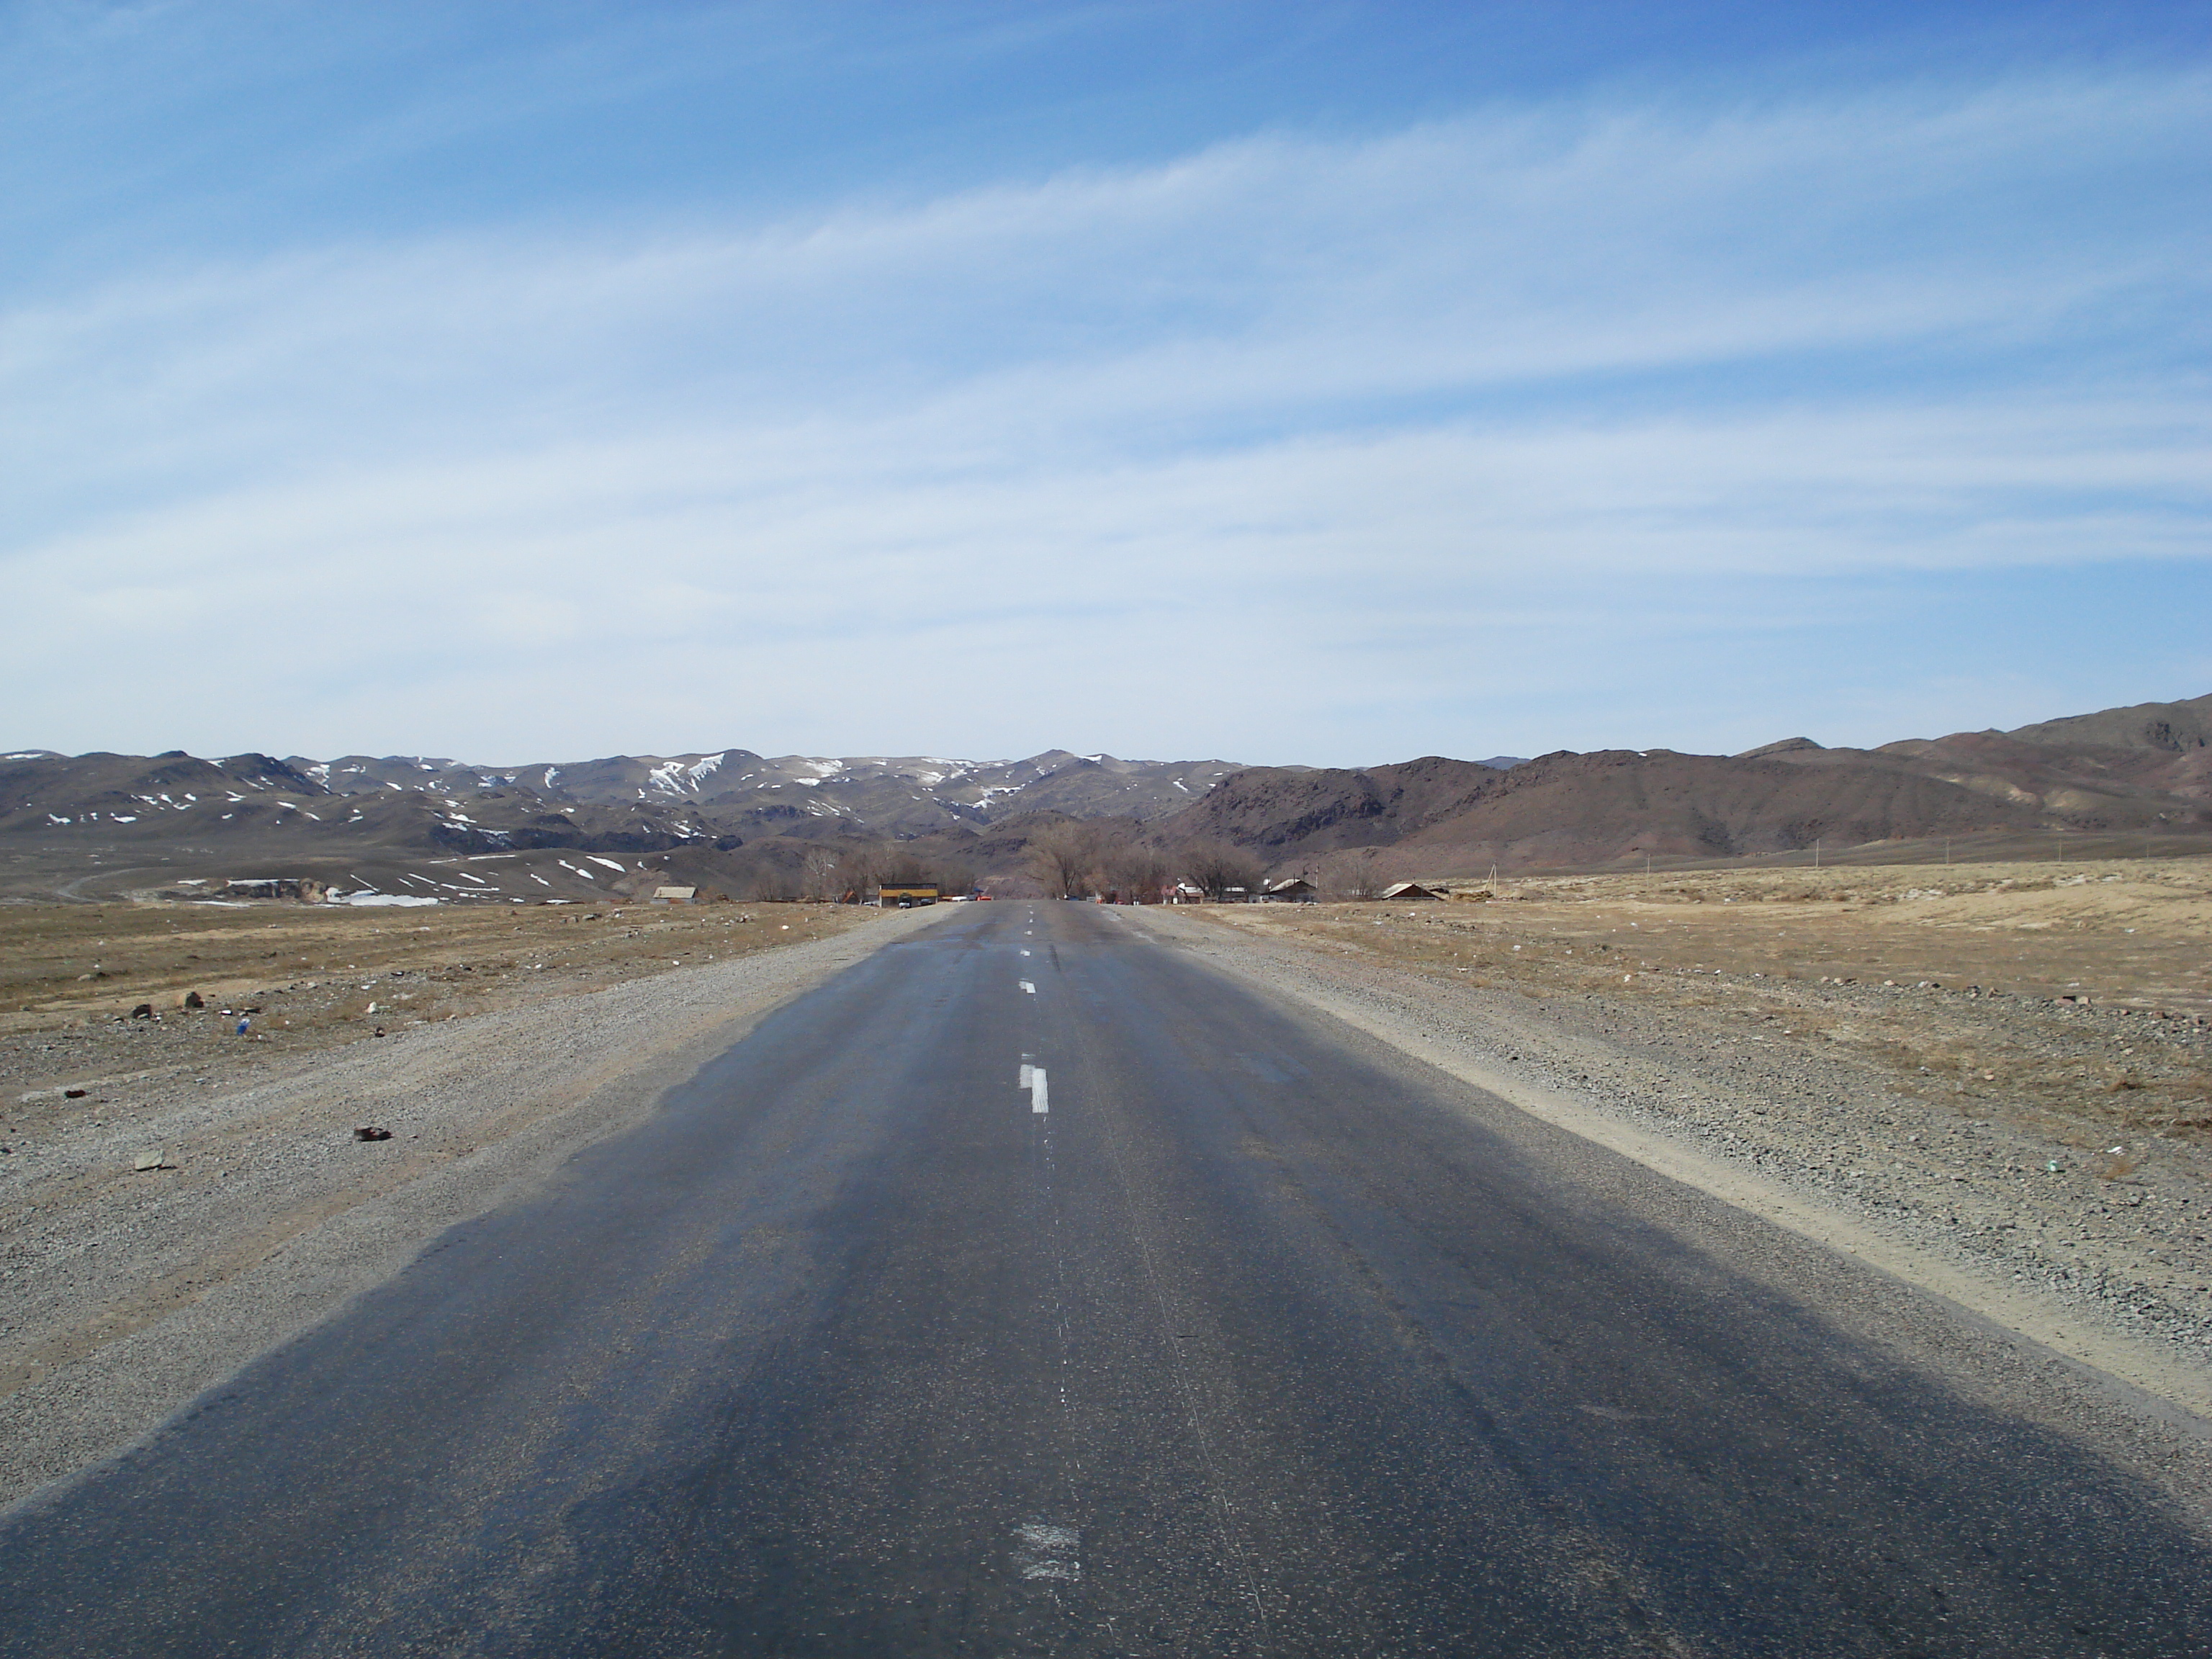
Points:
(1030, 1289)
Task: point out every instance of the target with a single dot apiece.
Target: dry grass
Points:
(308, 976)
(1868, 962)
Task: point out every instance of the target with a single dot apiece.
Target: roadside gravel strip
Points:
(1994, 1219)
(124, 1293)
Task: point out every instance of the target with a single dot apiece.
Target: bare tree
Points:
(1221, 871)
(1355, 875)
(1064, 858)
(819, 874)
(1139, 873)
(858, 870)
(771, 885)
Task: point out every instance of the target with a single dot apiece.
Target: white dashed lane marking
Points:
(1032, 1080)
(1042, 1550)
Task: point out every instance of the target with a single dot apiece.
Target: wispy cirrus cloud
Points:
(1270, 432)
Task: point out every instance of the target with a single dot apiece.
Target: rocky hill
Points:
(85, 824)
(2137, 770)
(88, 825)
(895, 795)
(2173, 727)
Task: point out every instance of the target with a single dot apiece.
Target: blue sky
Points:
(1327, 383)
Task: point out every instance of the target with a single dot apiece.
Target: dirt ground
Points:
(1954, 980)
(174, 1200)
(2006, 1071)
(2135, 933)
(307, 977)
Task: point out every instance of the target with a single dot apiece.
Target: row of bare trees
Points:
(1105, 857)
(851, 872)
(1075, 859)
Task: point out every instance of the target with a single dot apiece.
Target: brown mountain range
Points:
(89, 825)
(2142, 769)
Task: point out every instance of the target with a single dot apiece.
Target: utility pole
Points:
(1816, 852)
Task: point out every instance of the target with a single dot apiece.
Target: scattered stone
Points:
(75, 1094)
(194, 1000)
(156, 1159)
(370, 1133)
(144, 1010)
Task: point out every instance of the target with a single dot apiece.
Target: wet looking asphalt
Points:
(1226, 1335)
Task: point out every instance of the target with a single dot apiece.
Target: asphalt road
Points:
(1226, 1335)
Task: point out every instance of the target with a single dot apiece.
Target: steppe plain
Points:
(1888, 1043)
(2004, 1068)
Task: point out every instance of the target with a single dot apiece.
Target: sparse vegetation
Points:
(307, 976)
(1954, 983)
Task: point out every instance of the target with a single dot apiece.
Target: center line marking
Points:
(1030, 989)
(1037, 1100)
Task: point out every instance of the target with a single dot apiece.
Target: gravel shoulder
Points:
(1735, 1085)
(126, 1292)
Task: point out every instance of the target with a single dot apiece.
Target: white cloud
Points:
(1118, 447)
